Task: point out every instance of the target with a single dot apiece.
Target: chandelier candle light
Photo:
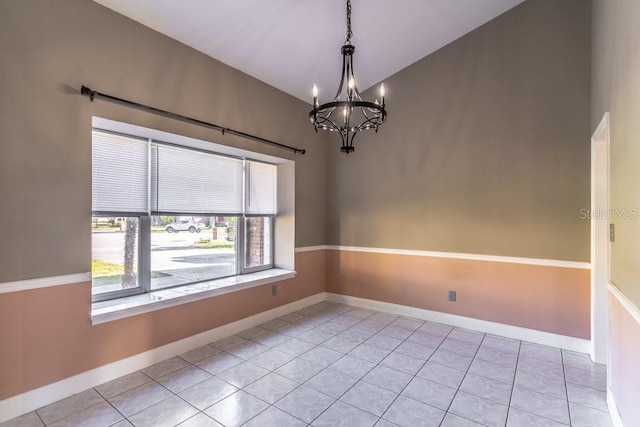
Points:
(347, 114)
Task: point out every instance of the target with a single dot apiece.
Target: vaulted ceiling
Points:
(292, 44)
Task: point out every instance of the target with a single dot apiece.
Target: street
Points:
(173, 260)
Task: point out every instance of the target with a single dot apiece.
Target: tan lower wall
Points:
(47, 336)
(550, 299)
(624, 355)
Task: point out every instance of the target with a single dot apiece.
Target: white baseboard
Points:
(509, 331)
(34, 399)
(613, 409)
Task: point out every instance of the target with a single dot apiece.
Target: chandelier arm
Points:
(344, 67)
(355, 93)
(350, 79)
(332, 128)
(327, 116)
(350, 142)
(368, 124)
(362, 126)
(364, 112)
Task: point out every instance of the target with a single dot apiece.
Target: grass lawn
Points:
(101, 268)
(109, 273)
(106, 273)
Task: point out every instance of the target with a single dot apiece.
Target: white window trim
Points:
(120, 308)
(283, 235)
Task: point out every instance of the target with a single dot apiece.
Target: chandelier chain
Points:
(349, 32)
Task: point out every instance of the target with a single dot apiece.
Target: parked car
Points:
(183, 225)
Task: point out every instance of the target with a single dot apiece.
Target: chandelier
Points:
(347, 114)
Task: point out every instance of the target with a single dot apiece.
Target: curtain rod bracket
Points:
(92, 94)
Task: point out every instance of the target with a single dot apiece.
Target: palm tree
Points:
(129, 279)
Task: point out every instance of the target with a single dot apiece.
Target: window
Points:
(167, 215)
(191, 250)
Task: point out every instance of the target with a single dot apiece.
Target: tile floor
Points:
(335, 365)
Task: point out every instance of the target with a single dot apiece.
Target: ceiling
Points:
(292, 44)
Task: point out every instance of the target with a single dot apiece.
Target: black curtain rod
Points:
(92, 94)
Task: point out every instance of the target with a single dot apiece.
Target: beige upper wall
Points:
(616, 89)
(49, 49)
(486, 149)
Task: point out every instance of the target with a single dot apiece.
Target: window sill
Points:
(107, 311)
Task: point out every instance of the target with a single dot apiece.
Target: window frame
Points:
(247, 270)
(144, 229)
(144, 271)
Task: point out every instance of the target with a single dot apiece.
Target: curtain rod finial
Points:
(87, 92)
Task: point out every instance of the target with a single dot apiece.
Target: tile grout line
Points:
(376, 365)
(446, 411)
(39, 417)
(111, 404)
(566, 388)
(414, 375)
(358, 379)
(247, 360)
(301, 384)
(190, 364)
(466, 372)
(513, 386)
(545, 394)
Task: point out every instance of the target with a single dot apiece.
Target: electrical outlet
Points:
(612, 233)
(274, 290)
(452, 295)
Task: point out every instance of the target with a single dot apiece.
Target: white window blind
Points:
(133, 175)
(189, 181)
(261, 184)
(120, 173)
